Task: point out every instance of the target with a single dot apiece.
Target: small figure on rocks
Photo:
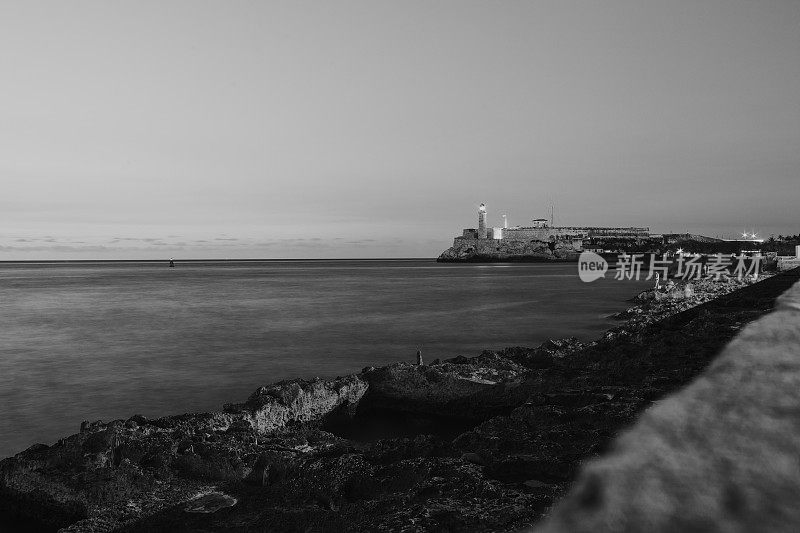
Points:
(658, 278)
(419, 358)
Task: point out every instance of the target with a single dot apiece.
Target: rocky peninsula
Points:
(486, 443)
(495, 250)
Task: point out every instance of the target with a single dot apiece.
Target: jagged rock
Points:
(303, 401)
(138, 420)
(90, 426)
(210, 503)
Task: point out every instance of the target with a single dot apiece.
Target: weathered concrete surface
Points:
(720, 455)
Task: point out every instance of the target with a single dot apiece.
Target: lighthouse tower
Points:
(482, 222)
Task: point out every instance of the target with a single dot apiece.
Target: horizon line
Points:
(211, 259)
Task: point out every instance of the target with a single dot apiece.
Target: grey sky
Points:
(353, 129)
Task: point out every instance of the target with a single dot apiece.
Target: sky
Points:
(237, 129)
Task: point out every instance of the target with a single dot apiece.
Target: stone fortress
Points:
(540, 240)
(540, 230)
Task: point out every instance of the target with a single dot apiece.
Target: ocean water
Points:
(88, 341)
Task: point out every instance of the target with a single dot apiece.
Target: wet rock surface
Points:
(492, 440)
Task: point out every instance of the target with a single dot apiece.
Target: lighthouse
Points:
(482, 222)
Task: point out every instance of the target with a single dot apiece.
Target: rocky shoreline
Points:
(468, 444)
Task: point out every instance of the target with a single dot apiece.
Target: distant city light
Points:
(751, 236)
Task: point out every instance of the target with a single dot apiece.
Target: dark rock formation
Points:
(298, 401)
(491, 250)
(210, 503)
(466, 391)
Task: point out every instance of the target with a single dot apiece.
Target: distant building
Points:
(540, 230)
(789, 262)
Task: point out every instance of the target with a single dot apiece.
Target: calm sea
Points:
(87, 341)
